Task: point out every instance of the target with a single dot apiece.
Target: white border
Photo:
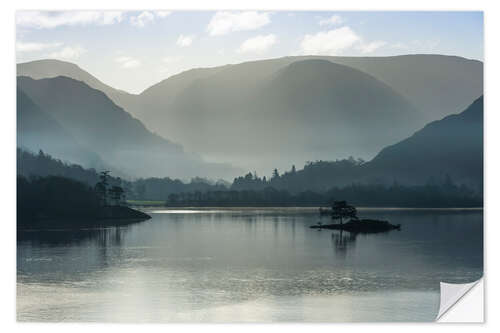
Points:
(7, 142)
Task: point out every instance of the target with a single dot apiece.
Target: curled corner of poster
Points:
(461, 303)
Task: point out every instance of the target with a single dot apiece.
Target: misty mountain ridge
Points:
(278, 114)
(452, 146)
(309, 109)
(38, 130)
(417, 77)
(119, 139)
(436, 155)
(446, 152)
(51, 68)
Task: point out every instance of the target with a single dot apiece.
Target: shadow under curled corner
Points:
(461, 302)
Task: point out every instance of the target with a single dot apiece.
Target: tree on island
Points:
(104, 193)
(341, 210)
(101, 188)
(117, 195)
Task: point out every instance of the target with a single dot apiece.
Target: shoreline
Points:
(303, 208)
(110, 216)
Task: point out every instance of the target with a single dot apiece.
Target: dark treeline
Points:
(429, 195)
(316, 184)
(41, 198)
(55, 201)
(316, 176)
(42, 164)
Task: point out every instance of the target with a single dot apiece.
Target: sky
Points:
(135, 49)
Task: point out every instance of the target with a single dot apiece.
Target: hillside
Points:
(38, 130)
(309, 109)
(241, 102)
(451, 146)
(50, 68)
(416, 77)
(446, 151)
(120, 140)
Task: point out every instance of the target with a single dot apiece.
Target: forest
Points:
(56, 201)
(429, 195)
(310, 186)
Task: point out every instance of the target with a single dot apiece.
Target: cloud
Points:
(336, 41)
(68, 52)
(371, 47)
(258, 44)
(142, 19)
(128, 62)
(33, 47)
(184, 41)
(50, 20)
(333, 20)
(162, 14)
(329, 42)
(146, 17)
(225, 22)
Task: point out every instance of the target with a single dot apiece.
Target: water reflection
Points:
(101, 237)
(342, 242)
(256, 265)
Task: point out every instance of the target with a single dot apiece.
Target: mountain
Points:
(305, 111)
(38, 130)
(452, 146)
(161, 95)
(436, 85)
(50, 68)
(243, 102)
(119, 139)
(446, 153)
(239, 102)
(416, 77)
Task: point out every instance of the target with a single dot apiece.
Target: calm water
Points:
(256, 265)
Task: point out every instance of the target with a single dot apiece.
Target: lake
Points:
(247, 265)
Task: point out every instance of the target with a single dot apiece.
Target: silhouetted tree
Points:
(101, 187)
(341, 210)
(117, 194)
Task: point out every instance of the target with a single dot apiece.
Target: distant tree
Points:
(341, 210)
(117, 194)
(293, 168)
(101, 188)
(275, 174)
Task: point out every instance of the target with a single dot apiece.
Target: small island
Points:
(60, 202)
(341, 210)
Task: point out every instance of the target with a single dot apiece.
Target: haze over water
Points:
(255, 265)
